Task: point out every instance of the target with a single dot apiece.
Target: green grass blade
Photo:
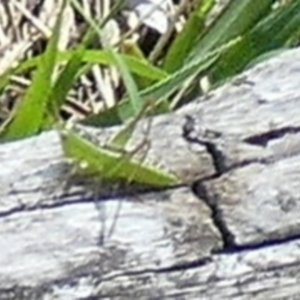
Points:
(185, 40)
(91, 34)
(238, 17)
(124, 134)
(136, 101)
(63, 84)
(275, 31)
(158, 92)
(28, 115)
(132, 49)
(134, 98)
(135, 65)
(265, 56)
(100, 161)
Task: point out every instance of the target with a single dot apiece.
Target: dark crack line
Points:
(99, 278)
(229, 243)
(188, 131)
(81, 198)
(177, 267)
(199, 188)
(23, 208)
(201, 191)
(264, 138)
(258, 245)
(219, 161)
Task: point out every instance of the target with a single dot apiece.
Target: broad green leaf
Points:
(107, 164)
(27, 117)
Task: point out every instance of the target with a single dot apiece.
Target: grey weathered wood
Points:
(50, 233)
(258, 202)
(266, 273)
(150, 233)
(55, 242)
(258, 199)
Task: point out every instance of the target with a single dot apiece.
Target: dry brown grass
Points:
(25, 27)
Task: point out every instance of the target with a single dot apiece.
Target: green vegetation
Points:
(215, 48)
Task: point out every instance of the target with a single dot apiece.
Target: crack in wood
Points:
(263, 139)
(188, 133)
(74, 199)
(221, 166)
(175, 268)
(229, 245)
(227, 237)
(255, 246)
(219, 159)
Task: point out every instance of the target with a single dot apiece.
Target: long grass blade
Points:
(28, 115)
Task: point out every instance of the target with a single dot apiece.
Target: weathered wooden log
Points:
(230, 230)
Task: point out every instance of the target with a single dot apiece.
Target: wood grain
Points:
(230, 230)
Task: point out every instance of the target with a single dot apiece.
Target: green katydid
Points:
(111, 161)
